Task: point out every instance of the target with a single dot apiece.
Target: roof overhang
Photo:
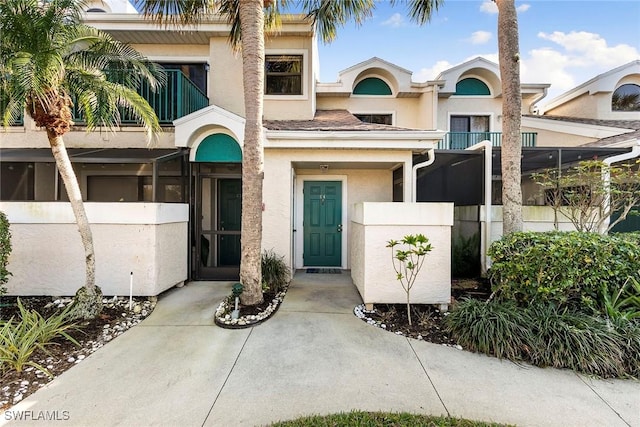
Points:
(416, 141)
(92, 155)
(573, 128)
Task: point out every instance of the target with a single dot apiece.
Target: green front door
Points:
(322, 224)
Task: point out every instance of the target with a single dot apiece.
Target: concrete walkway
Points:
(313, 357)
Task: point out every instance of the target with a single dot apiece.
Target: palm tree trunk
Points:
(88, 298)
(252, 27)
(509, 58)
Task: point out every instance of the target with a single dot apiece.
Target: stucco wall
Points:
(374, 224)
(30, 136)
(148, 239)
(548, 138)
(369, 178)
(407, 112)
(471, 106)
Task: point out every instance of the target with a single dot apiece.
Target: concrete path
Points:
(313, 357)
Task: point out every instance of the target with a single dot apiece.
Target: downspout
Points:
(488, 156)
(606, 177)
(431, 157)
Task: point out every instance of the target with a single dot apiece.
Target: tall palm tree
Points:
(509, 58)
(511, 152)
(247, 19)
(49, 58)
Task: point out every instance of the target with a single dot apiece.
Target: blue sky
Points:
(562, 42)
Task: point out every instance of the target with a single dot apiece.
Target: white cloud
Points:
(547, 66)
(523, 8)
(396, 20)
(488, 6)
(480, 37)
(588, 49)
(431, 73)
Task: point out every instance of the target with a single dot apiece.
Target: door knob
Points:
(339, 228)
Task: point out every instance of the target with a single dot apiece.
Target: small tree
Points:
(408, 262)
(5, 251)
(587, 199)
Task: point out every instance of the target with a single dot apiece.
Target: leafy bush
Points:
(623, 303)
(568, 269)
(20, 339)
(5, 251)
(500, 330)
(466, 256)
(275, 272)
(546, 335)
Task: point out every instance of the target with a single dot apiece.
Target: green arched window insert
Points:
(219, 148)
(626, 98)
(472, 86)
(372, 86)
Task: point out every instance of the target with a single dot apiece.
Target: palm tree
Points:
(509, 58)
(49, 58)
(247, 19)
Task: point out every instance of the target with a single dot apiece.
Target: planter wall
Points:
(374, 224)
(148, 239)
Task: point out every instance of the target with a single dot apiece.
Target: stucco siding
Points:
(147, 239)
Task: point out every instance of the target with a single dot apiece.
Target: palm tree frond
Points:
(421, 11)
(328, 15)
(176, 12)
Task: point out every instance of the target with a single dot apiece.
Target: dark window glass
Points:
(16, 181)
(626, 98)
(197, 73)
(283, 74)
(380, 119)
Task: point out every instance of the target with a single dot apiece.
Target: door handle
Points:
(339, 228)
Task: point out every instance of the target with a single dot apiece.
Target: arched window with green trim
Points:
(219, 148)
(372, 86)
(472, 86)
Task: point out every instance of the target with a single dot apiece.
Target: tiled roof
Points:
(634, 125)
(614, 139)
(330, 120)
(623, 124)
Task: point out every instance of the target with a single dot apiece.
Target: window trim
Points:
(304, 77)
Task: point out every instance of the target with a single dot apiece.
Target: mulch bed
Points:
(62, 354)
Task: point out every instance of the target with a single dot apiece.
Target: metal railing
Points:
(464, 140)
(177, 98)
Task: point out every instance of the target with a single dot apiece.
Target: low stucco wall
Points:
(148, 239)
(374, 224)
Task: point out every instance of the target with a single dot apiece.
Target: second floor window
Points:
(380, 119)
(283, 74)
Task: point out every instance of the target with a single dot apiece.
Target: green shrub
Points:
(20, 339)
(568, 269)
(275, 272)
(466, 257)
(546, 335)
(5, 251)
(500, 330)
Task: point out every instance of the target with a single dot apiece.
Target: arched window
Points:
(372, 86)
(626, 98)
(472, 86)
(96, 9)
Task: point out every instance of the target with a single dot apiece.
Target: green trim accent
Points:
(372, 86)
(472, 86)
(219, 148)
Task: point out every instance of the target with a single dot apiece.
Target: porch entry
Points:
(217, 194)
(322, 216)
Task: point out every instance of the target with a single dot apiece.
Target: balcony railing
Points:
(177, 98)
(463, 140)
